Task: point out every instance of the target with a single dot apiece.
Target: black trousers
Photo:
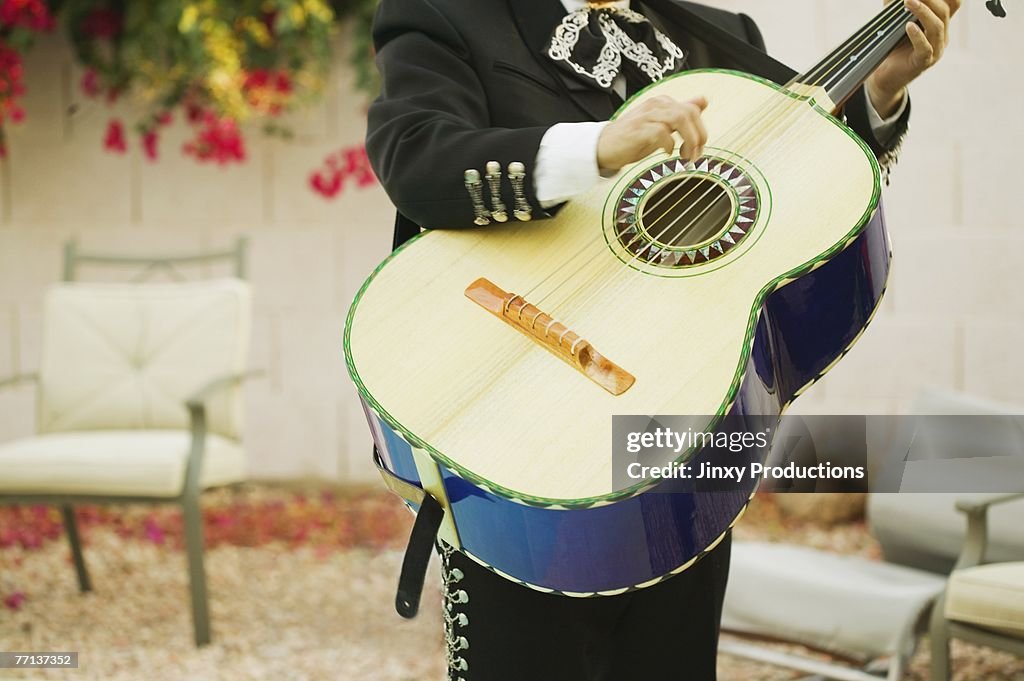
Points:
(500, 631)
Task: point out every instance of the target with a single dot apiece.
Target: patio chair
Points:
(138, 398)
(923, 529)
(867, 614)
(983, 604)
(871, 614)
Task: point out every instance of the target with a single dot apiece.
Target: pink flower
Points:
(114, 140)
(152, 531)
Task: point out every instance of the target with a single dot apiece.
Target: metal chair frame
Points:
(972, 555)
(196, 407)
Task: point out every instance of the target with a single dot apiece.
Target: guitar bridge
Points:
(515, 311)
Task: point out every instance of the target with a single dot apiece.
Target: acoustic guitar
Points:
(490, 362)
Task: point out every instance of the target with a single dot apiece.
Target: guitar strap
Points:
(421, 540)
(417, 557)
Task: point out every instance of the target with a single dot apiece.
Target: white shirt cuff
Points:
(882, 128)
(566, 164)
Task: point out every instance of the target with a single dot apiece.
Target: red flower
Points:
(102, 23)
(219, 139)
(267, 91)
(329, 186)
(30, 14)
(348, 164)
(91, 83)
(114, 140)
(283, 82)
(14, 601)
(194, 113)
(11, 87)
(150, 142)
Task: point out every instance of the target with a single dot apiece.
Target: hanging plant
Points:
(20, 21)
(217, 64)
(362, 54)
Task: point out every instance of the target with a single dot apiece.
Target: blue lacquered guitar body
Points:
(647, 538)
(500, 406)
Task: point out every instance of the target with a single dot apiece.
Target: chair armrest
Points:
(11, 381)
(196, 405)
(982, 504)
(976, 541)
(200, 397)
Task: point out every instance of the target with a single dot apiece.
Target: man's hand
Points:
(649, 127)
(927, 44)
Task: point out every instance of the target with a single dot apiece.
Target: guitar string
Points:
(787, 107)
(763, 135)
(829, 65)
(835, 64)
(824, 77)
(517, 352)
(589, 245)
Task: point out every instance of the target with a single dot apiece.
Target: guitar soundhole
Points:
(686, 212)
(677, 215)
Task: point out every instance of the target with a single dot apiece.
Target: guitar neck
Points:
(848, 66)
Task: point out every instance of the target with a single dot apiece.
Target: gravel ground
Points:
(308, 610)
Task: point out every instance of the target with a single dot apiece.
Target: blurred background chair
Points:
(924, 530)
(871, 614)
(983, 604)
(138, 397)
(867, 614)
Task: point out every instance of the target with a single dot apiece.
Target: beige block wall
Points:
(953, 318)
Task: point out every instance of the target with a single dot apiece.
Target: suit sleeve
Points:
(431, 122)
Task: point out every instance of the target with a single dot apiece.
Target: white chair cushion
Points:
(845, 604)
(118, 356)
(989, 596)
(114, 463)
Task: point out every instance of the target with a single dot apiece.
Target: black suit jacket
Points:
(465, 82)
